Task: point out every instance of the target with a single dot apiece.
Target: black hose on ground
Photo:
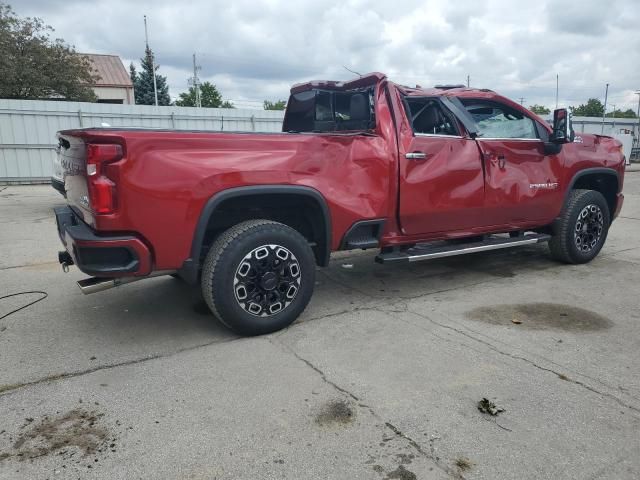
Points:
(44, 295)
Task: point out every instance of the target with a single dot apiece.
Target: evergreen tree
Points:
(133, 74)
(143, 82)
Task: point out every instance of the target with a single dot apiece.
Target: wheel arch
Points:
(310, 214)
(601, 179)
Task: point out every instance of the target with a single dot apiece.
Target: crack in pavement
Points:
(548, 360)
(530, 362)
(414, 444)
(402, 306)
(11, 388)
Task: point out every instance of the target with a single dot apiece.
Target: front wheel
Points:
(258, 276)
(581, 230)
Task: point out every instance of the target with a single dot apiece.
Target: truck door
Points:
(522, 182)
(441, 178)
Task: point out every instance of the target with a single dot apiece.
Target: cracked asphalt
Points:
(379, 379)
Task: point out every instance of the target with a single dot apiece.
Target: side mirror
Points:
(562, 131)
(551, 148)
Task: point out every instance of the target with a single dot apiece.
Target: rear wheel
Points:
(258, 276)
(580, 232)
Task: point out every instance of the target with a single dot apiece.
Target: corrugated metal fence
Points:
(28, 128)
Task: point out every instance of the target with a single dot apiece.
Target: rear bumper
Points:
(59, 186)
(101, 256)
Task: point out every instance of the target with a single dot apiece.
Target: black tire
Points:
(225, 281)
(576, 239)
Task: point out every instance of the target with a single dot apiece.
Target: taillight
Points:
(102, 189)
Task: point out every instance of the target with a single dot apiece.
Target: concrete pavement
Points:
(379, 379)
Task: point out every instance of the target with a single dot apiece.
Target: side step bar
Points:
(430, 251)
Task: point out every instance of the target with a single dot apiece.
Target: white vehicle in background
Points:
(627, 145)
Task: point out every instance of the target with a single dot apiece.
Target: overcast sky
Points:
(254, 50)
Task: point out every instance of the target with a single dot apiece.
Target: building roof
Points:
(110, 69)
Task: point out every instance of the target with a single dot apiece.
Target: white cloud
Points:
(256, 49)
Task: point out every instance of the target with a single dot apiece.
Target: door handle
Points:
(415, 155)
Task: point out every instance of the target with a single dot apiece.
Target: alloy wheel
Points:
(267, 280)
(589, 227)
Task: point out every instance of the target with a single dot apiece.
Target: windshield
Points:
(330, 111)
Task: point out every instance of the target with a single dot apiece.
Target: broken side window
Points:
(330, 111)
(429, 118)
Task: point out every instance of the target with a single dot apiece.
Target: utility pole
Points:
(195, 82)
(468, 80)
(557, 82)
(604, 112)
(153, 64)
(522, 99)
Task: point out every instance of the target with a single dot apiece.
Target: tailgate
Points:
(72, 154)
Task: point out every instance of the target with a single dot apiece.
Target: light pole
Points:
(153, 64)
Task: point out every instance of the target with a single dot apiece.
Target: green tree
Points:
(210, 97)
(593, 108)
(35, 66)
(278, 105)
(628, 113)
(143, 82)
(539, 109)
(132, 73)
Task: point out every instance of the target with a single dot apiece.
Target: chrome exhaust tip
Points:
(96, 284)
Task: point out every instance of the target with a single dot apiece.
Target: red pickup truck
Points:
(416, 173)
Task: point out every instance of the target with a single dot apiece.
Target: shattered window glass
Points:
(499, 121)
(330, 111)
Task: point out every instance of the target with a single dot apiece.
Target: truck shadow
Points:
(353, 280)
(167, 309)
(162, 310)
